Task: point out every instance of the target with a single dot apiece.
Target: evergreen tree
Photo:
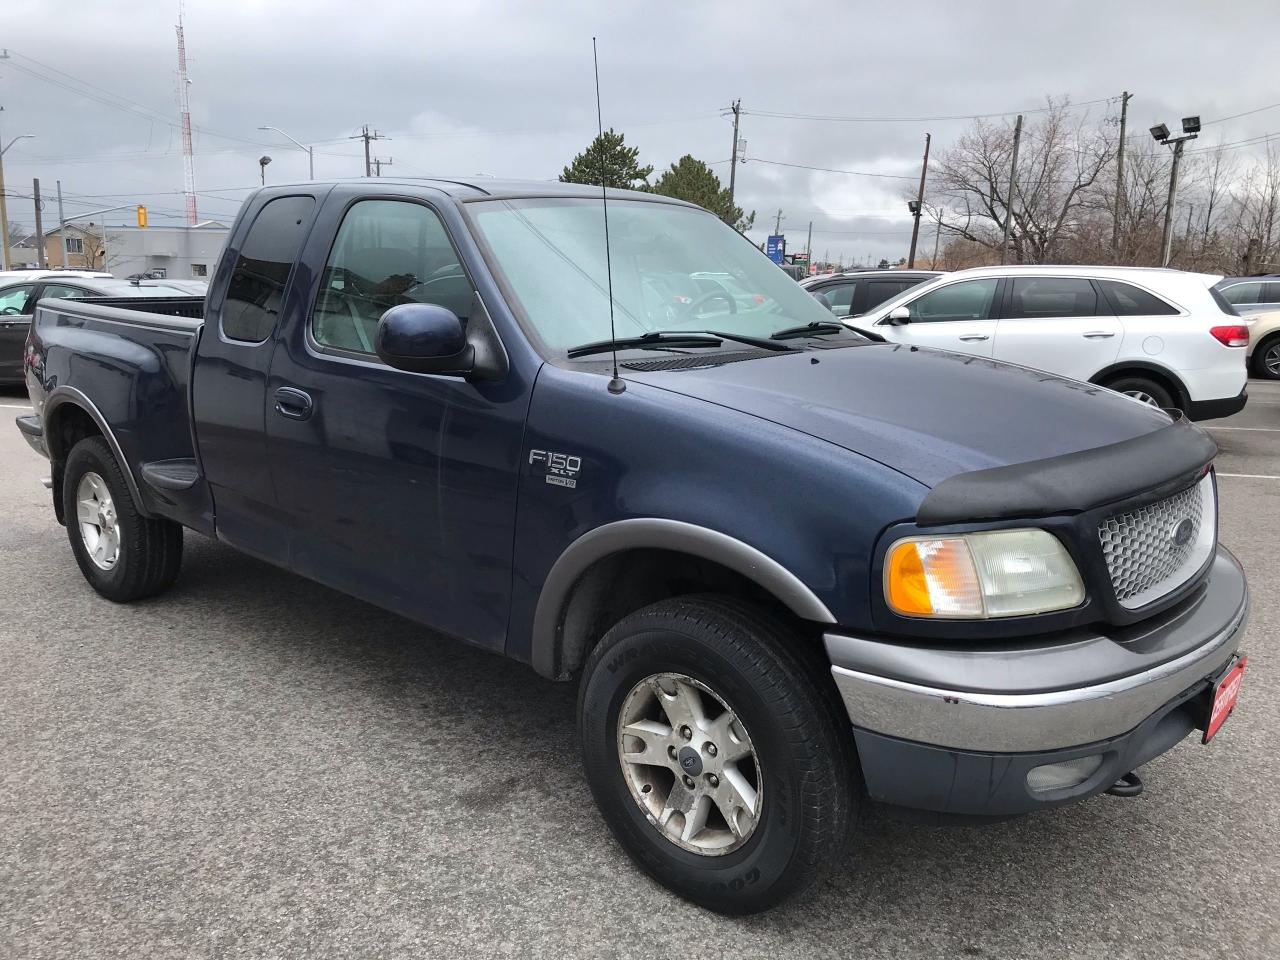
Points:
(692, 180)
(610, 153)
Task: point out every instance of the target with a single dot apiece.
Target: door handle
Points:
(1098, 335)
(971, 337)
(293, 403)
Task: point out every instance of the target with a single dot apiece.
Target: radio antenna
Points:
(615, 385)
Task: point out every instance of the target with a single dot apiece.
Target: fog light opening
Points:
(1063, 775)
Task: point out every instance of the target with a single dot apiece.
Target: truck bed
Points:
(127, 360)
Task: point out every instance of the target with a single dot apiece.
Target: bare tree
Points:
(1060, 161)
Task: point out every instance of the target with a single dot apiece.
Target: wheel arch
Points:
(67, 416)
(574, 591)
(1162, 375)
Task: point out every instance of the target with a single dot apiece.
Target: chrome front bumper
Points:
(1079, 689)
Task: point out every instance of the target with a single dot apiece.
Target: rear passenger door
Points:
(1059, 324)
(877, 291)
(837, 297)
(253, 295)
(15, 320)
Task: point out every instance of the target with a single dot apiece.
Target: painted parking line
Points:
(1250, 476)
(1249, 429)
(16, 406)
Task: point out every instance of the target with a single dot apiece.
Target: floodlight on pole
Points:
(1160, 133)
(262, 165)
(1190, 124)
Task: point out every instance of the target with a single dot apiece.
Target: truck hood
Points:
(929, 414)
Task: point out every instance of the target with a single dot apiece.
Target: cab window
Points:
(262, 269)
(387, 252)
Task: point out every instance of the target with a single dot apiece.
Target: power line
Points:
(1237, 116)
(778, 115)
(852, 173)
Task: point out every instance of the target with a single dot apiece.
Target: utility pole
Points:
(919, 208)
(733, 161)
(937, 237)
(368, 138)
(1119, 204)
(777, 224)
(379, 164)
(35, 196)
(808, 248)
(1013, 186)
(62, 227)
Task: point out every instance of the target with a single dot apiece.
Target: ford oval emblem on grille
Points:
(1181, 532)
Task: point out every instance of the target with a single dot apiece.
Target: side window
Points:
(63, 292)
(966, 300)
(387, 252)
(1242, 293)
(1036, 298)
(13, 299)
(1271, 294)
(838, 298)
(1130, 301)
(262, 269)
(878, 291)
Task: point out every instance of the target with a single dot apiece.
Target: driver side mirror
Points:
(424, 338)
(898, 316)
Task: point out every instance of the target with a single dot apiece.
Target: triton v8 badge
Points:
(560, 469)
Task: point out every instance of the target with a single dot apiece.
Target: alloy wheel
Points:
(690, 764)
(99, 524)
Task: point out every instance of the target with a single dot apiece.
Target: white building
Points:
(180, 253)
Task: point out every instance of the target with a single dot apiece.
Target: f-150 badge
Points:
(560, 469)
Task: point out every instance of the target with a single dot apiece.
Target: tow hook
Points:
(1130, 785)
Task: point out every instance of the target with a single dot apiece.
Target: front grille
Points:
(1151, 551)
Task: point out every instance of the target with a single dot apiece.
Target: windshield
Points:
(674, 269)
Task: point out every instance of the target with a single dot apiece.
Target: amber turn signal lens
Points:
(908, 591)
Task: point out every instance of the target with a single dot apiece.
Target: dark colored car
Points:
(18, 300)
(791, 570)
(854, 293)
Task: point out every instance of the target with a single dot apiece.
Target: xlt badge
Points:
(560, 469)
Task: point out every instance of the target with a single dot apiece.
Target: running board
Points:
(170, 475)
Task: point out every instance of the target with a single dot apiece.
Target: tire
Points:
(1265, 362)
(1147, 390)
(124, 555)
(802, 766)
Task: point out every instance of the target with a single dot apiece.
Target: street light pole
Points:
(1160, 133)
(4, 211)
(311, 157)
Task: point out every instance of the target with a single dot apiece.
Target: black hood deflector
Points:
(1071, 482)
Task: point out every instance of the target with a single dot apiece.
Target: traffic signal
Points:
(142, 215)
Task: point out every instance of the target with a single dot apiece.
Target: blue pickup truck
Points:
(791, 570)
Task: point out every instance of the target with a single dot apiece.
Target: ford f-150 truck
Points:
(790, 569)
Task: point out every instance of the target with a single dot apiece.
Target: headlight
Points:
(997, 573)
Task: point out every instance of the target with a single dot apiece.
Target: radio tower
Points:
(184, 105)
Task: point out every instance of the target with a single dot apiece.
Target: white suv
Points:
(1161, 336)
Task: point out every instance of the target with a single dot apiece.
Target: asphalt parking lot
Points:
(255, 766)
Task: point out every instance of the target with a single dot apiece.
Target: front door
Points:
(15, 321)
(399, 487)
(229, 382)
(1058, 324)
(956, 317)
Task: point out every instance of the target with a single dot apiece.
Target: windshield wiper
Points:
(761, 342)
(649, 341)
(816, 329)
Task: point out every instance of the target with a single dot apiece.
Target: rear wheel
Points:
(715, 752)
(1145, 390)
(124, 555)
(1266, 359)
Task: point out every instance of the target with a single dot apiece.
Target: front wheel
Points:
(124, 555)
(716, 753)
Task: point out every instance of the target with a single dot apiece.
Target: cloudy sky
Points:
(505, 89)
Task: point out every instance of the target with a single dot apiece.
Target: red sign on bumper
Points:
(1225, 694)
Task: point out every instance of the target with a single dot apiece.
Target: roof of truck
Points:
(472, 188)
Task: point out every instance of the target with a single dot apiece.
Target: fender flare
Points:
(64, 395)
(1122, 366)
(654, 533)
